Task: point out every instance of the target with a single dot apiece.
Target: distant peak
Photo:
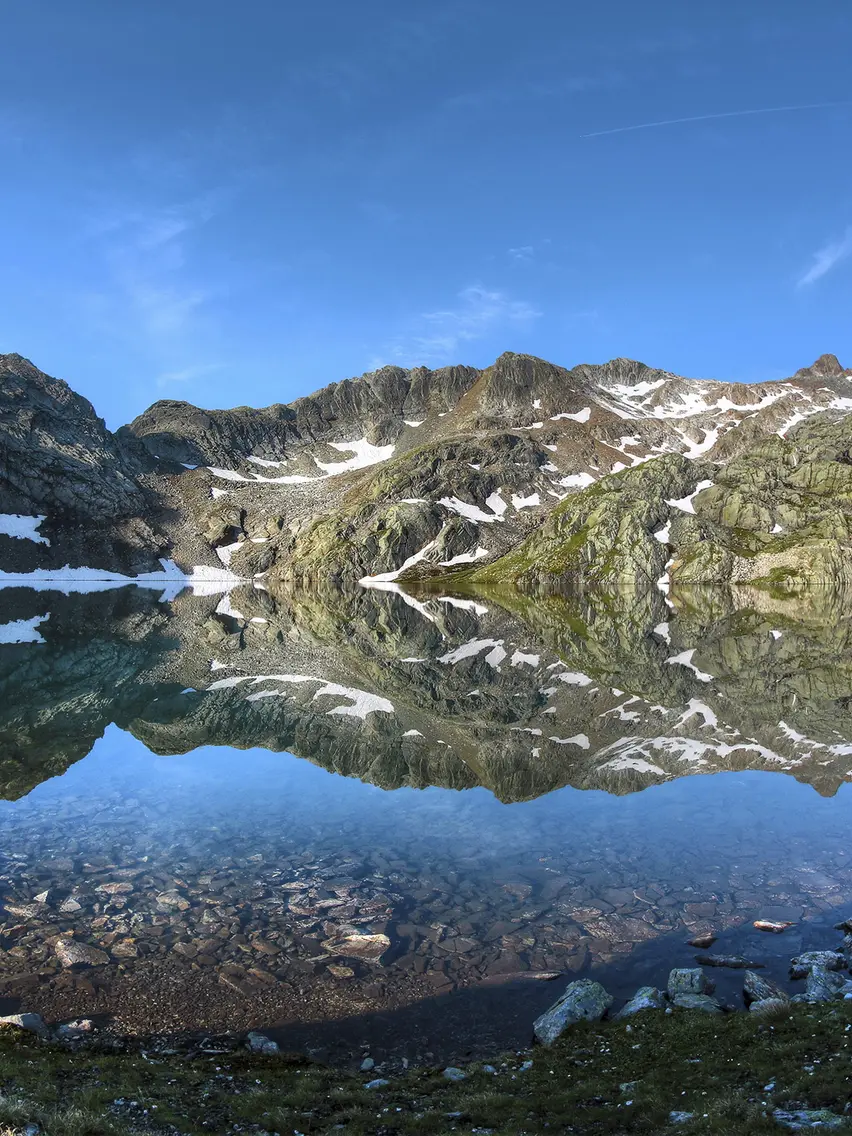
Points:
(826, 367)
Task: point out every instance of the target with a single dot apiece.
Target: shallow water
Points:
(229, 888)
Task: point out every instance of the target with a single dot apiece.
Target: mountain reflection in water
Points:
(230, 889)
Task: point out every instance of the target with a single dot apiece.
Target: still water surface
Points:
(228, 888)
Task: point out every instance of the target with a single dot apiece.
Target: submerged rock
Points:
(733, 962)
(71, 953)
(645, 998)
(358, 945)
(688, 980)
(583, 1000)
(701, 941)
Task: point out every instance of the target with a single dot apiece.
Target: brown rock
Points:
(71, 953)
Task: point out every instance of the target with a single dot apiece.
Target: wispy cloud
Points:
(151, 298)
(826, 258)
(523, 252)
(437, 337)
(187, 374)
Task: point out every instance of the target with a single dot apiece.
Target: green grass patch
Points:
(609, 1078)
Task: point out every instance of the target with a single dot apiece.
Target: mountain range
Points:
(524, 473)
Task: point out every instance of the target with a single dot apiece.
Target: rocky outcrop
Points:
(778, 515)
(376, 404)
(603, 535)
(583, 1000)
(63, 471)
(57, 456)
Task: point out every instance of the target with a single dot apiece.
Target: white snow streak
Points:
(22, 630)
(23, 527)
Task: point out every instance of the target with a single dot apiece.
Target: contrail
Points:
(705, 117)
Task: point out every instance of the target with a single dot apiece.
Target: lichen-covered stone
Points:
(645, 998)
(583, 1000)
(757, 988)
(688, 980)
(801, 965)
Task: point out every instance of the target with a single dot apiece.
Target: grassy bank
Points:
(619, 1077)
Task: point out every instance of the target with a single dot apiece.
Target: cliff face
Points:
(407, 473)
(57, 455)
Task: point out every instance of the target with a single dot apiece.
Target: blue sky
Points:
(237, 203)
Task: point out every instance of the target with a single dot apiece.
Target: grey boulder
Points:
(645, 998)
(689, 980)
(801, 965)
(583, 1000)
(824, 985)
(759, 989)
(260, 1043)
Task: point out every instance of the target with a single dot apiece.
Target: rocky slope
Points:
(60, 466)
(372, 477)
(778, 515)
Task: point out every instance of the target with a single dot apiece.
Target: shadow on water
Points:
(479, 1023)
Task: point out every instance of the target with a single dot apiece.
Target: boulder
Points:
(801, 965)
(756, 988)
(825, 985)
(356, 944)
(260, 1043)
(688, 980)
(453, 1074)
(583, 1000)
(645, 998)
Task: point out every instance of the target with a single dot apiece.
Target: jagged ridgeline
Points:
(524, 474)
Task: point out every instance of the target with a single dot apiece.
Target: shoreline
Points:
(780, 1064)
(687, 1072)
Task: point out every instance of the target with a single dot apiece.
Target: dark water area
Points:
(412, 880)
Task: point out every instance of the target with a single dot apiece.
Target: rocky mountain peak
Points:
(826, 367)
(56, 454)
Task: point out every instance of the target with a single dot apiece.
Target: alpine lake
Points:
(399, 824)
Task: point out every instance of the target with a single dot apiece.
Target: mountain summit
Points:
(397, 471)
